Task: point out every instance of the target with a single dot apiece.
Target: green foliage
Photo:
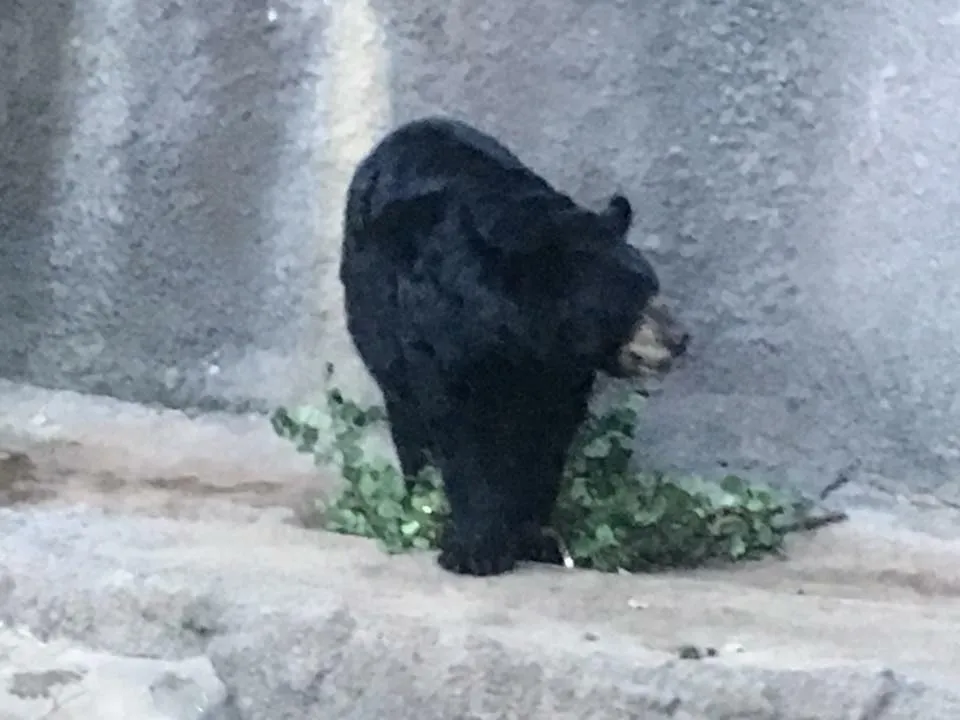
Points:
(609, 516)
(375, 501)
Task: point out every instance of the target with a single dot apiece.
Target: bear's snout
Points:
(657, 341)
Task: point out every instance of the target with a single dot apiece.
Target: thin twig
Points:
(815, 522)
(842, 478)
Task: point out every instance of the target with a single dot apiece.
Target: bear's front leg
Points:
(544, 447)
(482, 537)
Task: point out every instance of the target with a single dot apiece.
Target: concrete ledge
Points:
(300, 625)
(861, 622)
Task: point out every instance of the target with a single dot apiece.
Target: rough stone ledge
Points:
(275, 622)
(307, 625)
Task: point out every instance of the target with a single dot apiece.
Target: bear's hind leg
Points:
(409, 435)
(481, 486)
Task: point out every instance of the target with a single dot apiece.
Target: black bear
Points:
(484, 303)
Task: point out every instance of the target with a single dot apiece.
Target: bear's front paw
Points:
(483, 554)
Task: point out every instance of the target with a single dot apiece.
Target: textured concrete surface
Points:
(299, 625)
(60, 681)
(135, 533)
(171, 177)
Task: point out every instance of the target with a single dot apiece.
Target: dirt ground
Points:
(59, 474)
(143, 467)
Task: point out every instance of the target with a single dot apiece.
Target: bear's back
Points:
(441, 162)
(434, 213)
(444, 148)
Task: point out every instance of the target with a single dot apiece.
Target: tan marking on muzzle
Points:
(657, 340)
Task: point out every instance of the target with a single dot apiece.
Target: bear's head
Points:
(613, 317)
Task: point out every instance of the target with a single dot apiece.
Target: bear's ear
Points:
(586, 231)
(618, 216)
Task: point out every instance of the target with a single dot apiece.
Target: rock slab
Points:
(150, 568)
(60, 681)
(261, 622)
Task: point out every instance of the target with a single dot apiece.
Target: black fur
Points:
(484, 302)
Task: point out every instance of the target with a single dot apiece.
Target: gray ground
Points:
(155, 566)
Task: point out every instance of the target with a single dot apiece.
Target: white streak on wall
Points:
(351, 112)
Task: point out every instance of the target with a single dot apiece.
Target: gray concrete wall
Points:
(171, 176)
